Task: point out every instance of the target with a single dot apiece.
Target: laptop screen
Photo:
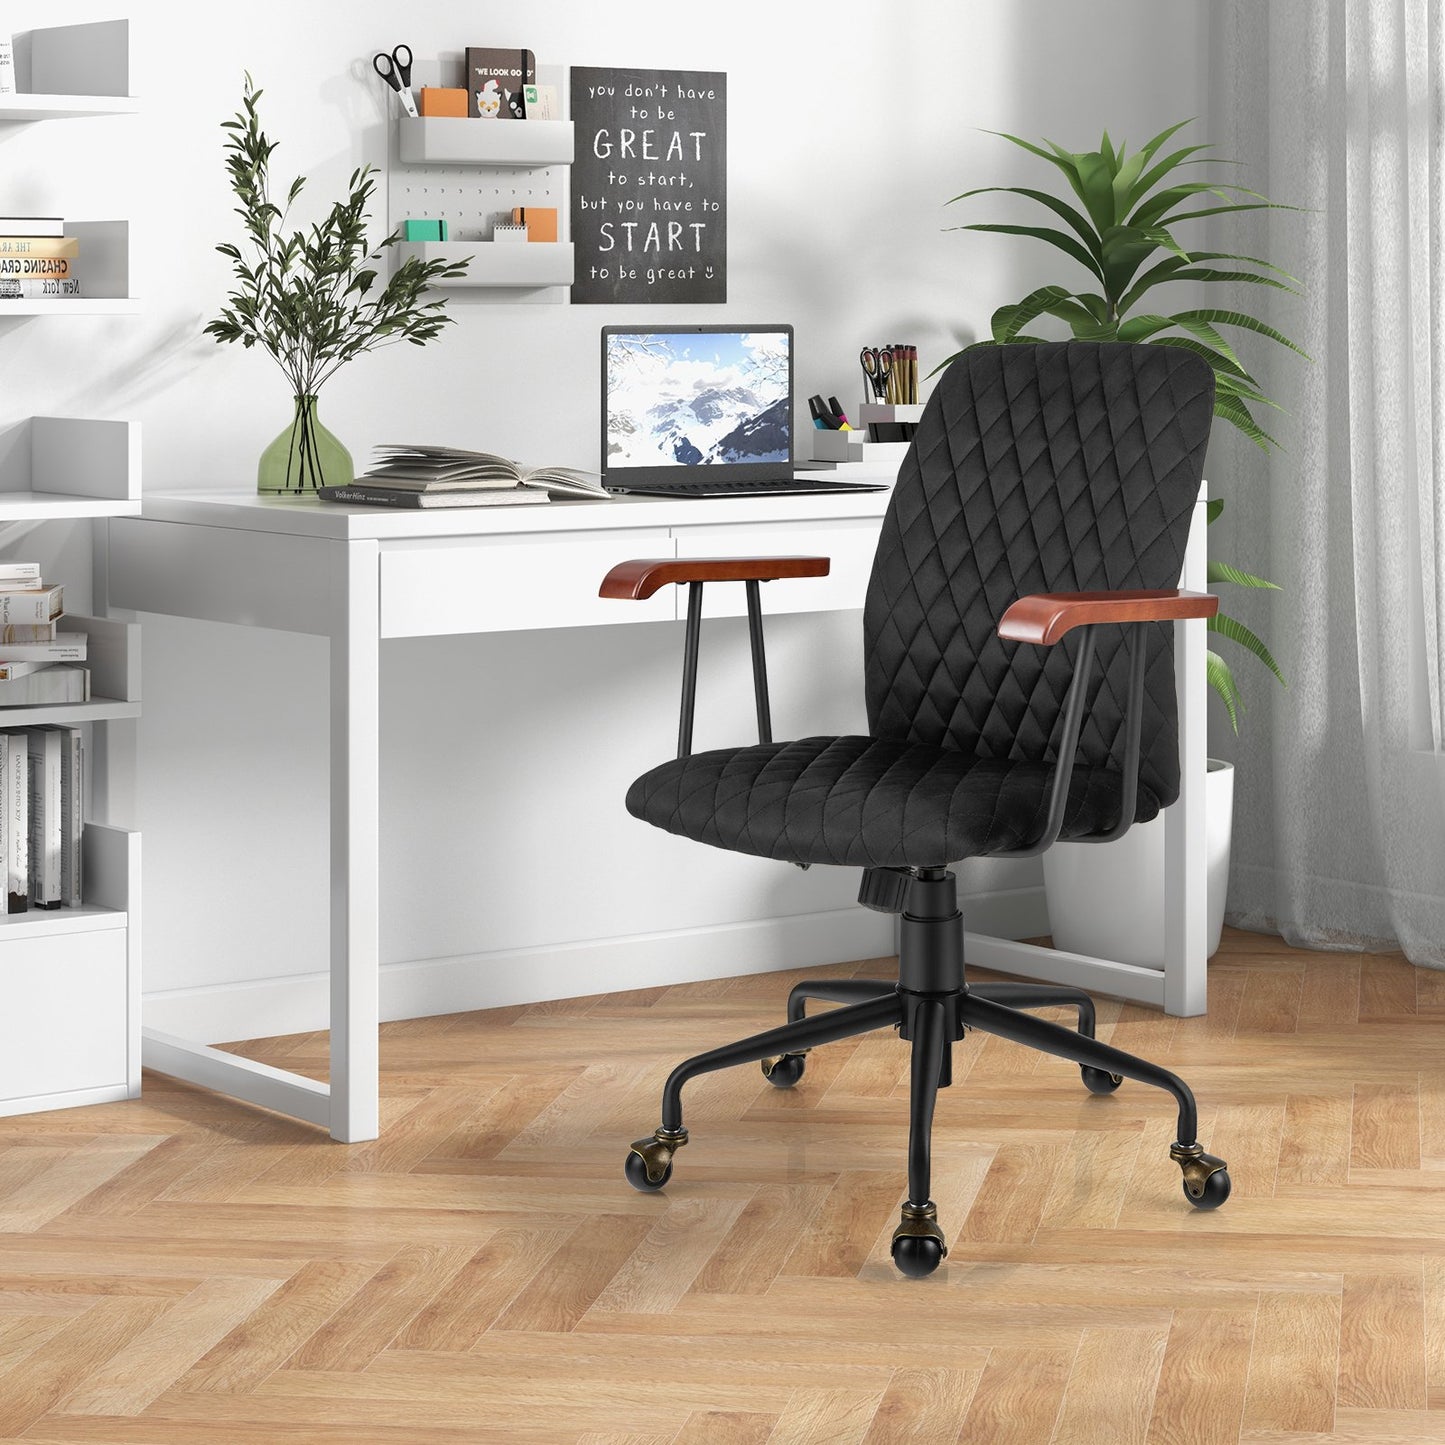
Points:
(677, 399)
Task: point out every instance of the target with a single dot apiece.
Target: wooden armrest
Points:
(644, 575)
(1045, 617)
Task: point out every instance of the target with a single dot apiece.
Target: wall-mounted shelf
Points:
(441, 140)
(500, 264)
(473, 174)
(104, 270)
(65, 71)
(16, 108)
(58, 466)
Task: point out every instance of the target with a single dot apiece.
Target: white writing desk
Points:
(358, 575)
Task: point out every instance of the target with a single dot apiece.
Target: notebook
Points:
(702, 411)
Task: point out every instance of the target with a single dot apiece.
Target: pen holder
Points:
(853, 446)
(880, 422)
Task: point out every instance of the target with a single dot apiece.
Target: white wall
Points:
(849, 128)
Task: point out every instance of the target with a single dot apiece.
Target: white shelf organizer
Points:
(66, 72)
(471, 173)
(70, 979)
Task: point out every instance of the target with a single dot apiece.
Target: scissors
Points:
(877, 363)
(396, 72)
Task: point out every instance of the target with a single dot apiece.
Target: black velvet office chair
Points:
(1048, 491)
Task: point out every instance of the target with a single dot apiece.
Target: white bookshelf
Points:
(70, 977)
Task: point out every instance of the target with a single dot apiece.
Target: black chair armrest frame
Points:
(1044, 620)
(642, 577)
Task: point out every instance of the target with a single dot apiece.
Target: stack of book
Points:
(37, 259)
(42, 792)
(39, 661)
(411, 476)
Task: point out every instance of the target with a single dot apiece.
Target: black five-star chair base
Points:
(931, 1006)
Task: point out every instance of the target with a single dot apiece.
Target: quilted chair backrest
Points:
(1058, 467)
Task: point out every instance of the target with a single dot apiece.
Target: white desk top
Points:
(308, 517)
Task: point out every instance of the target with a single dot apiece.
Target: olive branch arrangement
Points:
(308, 297)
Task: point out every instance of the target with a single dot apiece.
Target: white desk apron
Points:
(356, 575)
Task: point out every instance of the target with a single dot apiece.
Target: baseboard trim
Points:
(298, 1003)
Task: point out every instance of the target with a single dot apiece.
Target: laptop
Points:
(703, 411)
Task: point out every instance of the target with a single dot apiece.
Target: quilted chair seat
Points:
(868, 802)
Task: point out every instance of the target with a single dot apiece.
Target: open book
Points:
(440, 469)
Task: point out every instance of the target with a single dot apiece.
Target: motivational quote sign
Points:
(649, 185)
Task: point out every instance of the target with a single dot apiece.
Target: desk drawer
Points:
(849, 543)
(510, 584)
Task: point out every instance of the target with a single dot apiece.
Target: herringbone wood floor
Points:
(183, 1269)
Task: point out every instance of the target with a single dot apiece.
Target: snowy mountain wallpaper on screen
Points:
(697, 398)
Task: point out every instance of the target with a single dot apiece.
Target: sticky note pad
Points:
(423, 230)
(443, 100)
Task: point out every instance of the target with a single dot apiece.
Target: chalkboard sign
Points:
(649, 185)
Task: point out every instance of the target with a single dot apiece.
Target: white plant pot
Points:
(1106, 900)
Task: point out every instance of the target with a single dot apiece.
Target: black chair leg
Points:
(1206, 1180)
(649, 1162)
(918, 1242)
(1039, 995)
(1048, 995)
(835, 990)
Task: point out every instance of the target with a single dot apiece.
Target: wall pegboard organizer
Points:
(472, 174)
(439, 140)
(498, 265)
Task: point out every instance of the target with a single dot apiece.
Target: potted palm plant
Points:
(1107, 900)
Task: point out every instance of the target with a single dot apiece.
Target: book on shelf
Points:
(495, 77)
(54, 683)
(12, 289)
(26, 632)
(15, 804)
(19, 574)
(9, 671)
(365, 494)
(433, 469)
(37, 268)
(72, 814)
(30, 604)
(64, 246)
(63, 647)
(31, 226)
(45, 817)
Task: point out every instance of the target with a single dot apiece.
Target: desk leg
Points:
(1186, 976)
(355, 843)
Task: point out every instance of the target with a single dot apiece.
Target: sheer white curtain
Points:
(1339, 106)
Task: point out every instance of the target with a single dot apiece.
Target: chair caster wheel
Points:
(784, 1072)
(1216, 1191)
(918, 1243)
(649, 1162)
(1100, 1081)
(1206, 1180)
(917, 1256)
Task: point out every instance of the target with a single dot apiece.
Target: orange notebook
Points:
(540, 221)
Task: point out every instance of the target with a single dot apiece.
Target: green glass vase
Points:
(305, 456)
